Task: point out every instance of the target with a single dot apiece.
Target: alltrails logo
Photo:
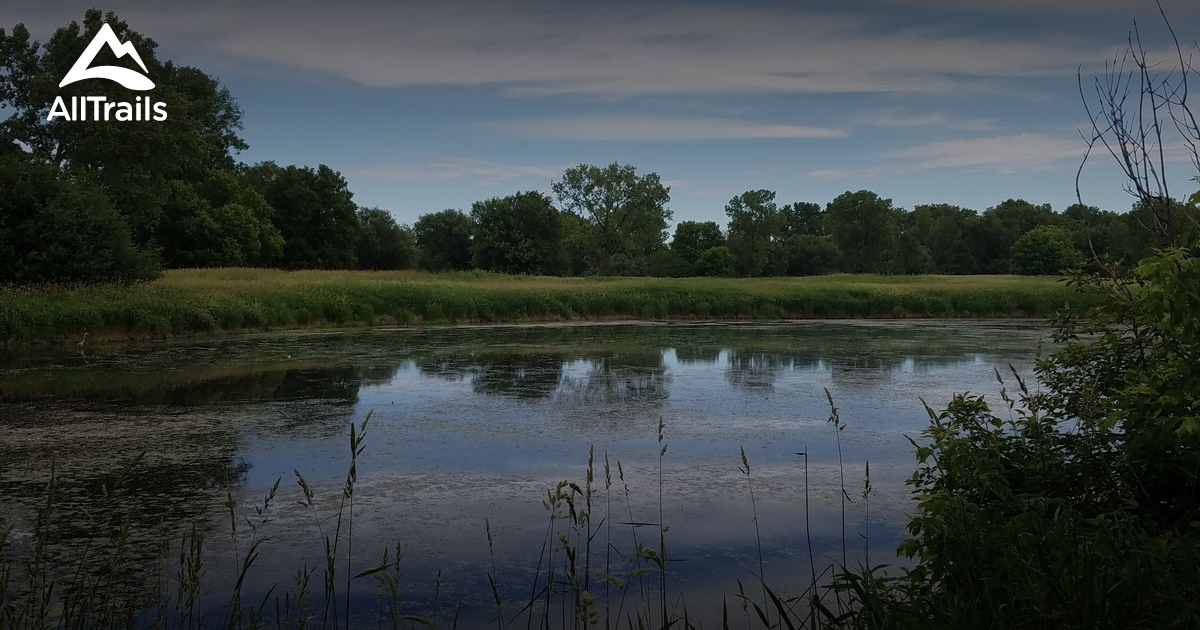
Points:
(143, 108)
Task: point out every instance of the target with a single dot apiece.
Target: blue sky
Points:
(430, 105)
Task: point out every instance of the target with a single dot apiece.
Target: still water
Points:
(474, 423)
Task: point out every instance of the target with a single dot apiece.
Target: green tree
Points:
(863, 226)
(382, 244)
(518, 234)
(217, 222)
(1161, 220)
(992, 238)
(942, 229)
(810, 255)
(665, 263)
(627, 214)
(313, 211)
(1044, 251)
(444, 240)
(54, 228)
(577, 242)
(754, 223)
(1086, 226)
(134, 162)
(716, 262)
(803, 218)
(912, 255)
(693, 238)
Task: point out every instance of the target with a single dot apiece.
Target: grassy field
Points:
(206, 301)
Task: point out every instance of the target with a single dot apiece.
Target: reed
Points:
(563, 595)
(221, 301)
(565, 591)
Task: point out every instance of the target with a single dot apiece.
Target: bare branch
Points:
(1136, 134)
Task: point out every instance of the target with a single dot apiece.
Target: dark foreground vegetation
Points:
(1073, 505)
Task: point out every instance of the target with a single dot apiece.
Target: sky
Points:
(430, 105)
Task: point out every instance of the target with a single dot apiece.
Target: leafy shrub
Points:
(1045, 251)
(57, 229)
(715, 262)
(1078, 506)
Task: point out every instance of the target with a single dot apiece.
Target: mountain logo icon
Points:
(126, 77)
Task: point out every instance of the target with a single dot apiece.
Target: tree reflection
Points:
(862, 371)
(695, 355)
(523, 376)
(753, 370)
(513, 375)
(625, 377)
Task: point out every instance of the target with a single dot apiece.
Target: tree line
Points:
(118, 201)
(857, 232)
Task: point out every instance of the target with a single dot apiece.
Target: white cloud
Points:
(1024, 148)
(655, 128)
(609, 49)
(1000, 154)
(897, 119)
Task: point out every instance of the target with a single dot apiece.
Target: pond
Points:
(470, 423)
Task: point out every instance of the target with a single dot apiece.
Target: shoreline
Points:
(218, 303)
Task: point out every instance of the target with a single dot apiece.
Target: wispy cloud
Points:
(1021, 148)
(612, 49)
(1030, 8)
(655, 128)
(897, 119)
(1001, 154)
(451, 168)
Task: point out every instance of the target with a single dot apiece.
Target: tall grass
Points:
(189, 302)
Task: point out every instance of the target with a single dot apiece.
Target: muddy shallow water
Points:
(477, 422)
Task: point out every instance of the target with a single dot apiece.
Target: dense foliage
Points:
(625, 215)
(1076, 505)
(444, 240)
(314, 213)
(519, 234)
(80, 237)
(382, 243)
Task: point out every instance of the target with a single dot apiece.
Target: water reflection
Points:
(752, 370)
(474, 422)
(635, 379)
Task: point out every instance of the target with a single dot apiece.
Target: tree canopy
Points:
(444, 240)
(754, 221)
(693, 238)
(862, 225)
(1043, 251)
(519, 234)
(382, 243)
(134, 163)
(314, 212)
(627, 214)
(62, 229)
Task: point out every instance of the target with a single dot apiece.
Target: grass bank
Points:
(205, 301)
